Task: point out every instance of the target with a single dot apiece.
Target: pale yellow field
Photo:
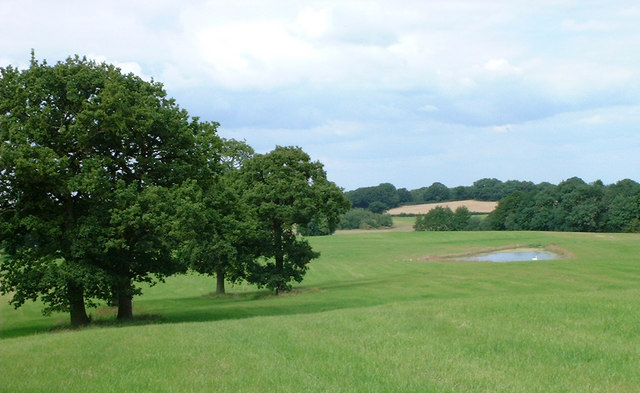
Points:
(473, 206)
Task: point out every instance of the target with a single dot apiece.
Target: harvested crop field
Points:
(473, 206)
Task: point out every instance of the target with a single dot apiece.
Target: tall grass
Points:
(371, 315)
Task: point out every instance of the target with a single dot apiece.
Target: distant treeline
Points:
(385, 196)
(572, 205)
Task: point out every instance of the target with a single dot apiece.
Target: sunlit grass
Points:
(371, 315)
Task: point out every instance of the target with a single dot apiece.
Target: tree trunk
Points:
(75, 292)
(125, 306)
(124, 294)
(220, 280)
(77, 310)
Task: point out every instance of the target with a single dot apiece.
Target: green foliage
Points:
(460, 193)
(285, 189)
(45, 186)
(318, 226)
(378, 207)
(136, 243)
(215, 232)
(437, 219)
(213, 223)
(484, 189)
(478, 223)
(404, 196)
(385, 194)
(502, 217)
(443, 219)
(89, 158)
(326, 220)
(573, 206)
(487, 189)
(437, 192)
(461, 218)
(364, 219)
(623, 214)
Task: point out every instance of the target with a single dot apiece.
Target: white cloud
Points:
(501, 66)
(126, 67)
(370, 78)
(261, 54)
(354, 44)
(131, 67)
(312, 23)
(570, 25)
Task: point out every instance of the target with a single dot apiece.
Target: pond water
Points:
(511, 256)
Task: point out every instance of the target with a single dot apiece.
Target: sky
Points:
(404, 92)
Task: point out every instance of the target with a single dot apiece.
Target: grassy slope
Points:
(368, 317)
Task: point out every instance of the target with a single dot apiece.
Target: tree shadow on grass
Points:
(213, 307)
(303, 300)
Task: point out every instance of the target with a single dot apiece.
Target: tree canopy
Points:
(105, 183)
(443, 219)
(385, 196)
(572, 205)
(213, 223)
(89, 161)
(285, 189)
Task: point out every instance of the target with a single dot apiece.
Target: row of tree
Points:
(378, 198)
(385, 196)
(487, 189)
(572, 205)
(106, 183)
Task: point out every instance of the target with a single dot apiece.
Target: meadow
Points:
(379, 311)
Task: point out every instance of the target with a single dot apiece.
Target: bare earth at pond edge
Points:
(561, 252)
(473, 206)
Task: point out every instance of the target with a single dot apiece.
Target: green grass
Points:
(371, 316)
(404, 224)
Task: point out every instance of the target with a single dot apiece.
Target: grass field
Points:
(371, 316)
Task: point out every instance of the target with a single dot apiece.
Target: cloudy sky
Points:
(407, 92)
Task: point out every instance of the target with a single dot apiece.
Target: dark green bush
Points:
(364, 219)
(443, 219)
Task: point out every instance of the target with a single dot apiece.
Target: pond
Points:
(512, 256)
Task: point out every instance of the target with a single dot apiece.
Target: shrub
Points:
(364, 219)
(443, 219)
(437, 219)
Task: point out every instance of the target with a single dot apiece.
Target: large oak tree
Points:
(89, 161)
